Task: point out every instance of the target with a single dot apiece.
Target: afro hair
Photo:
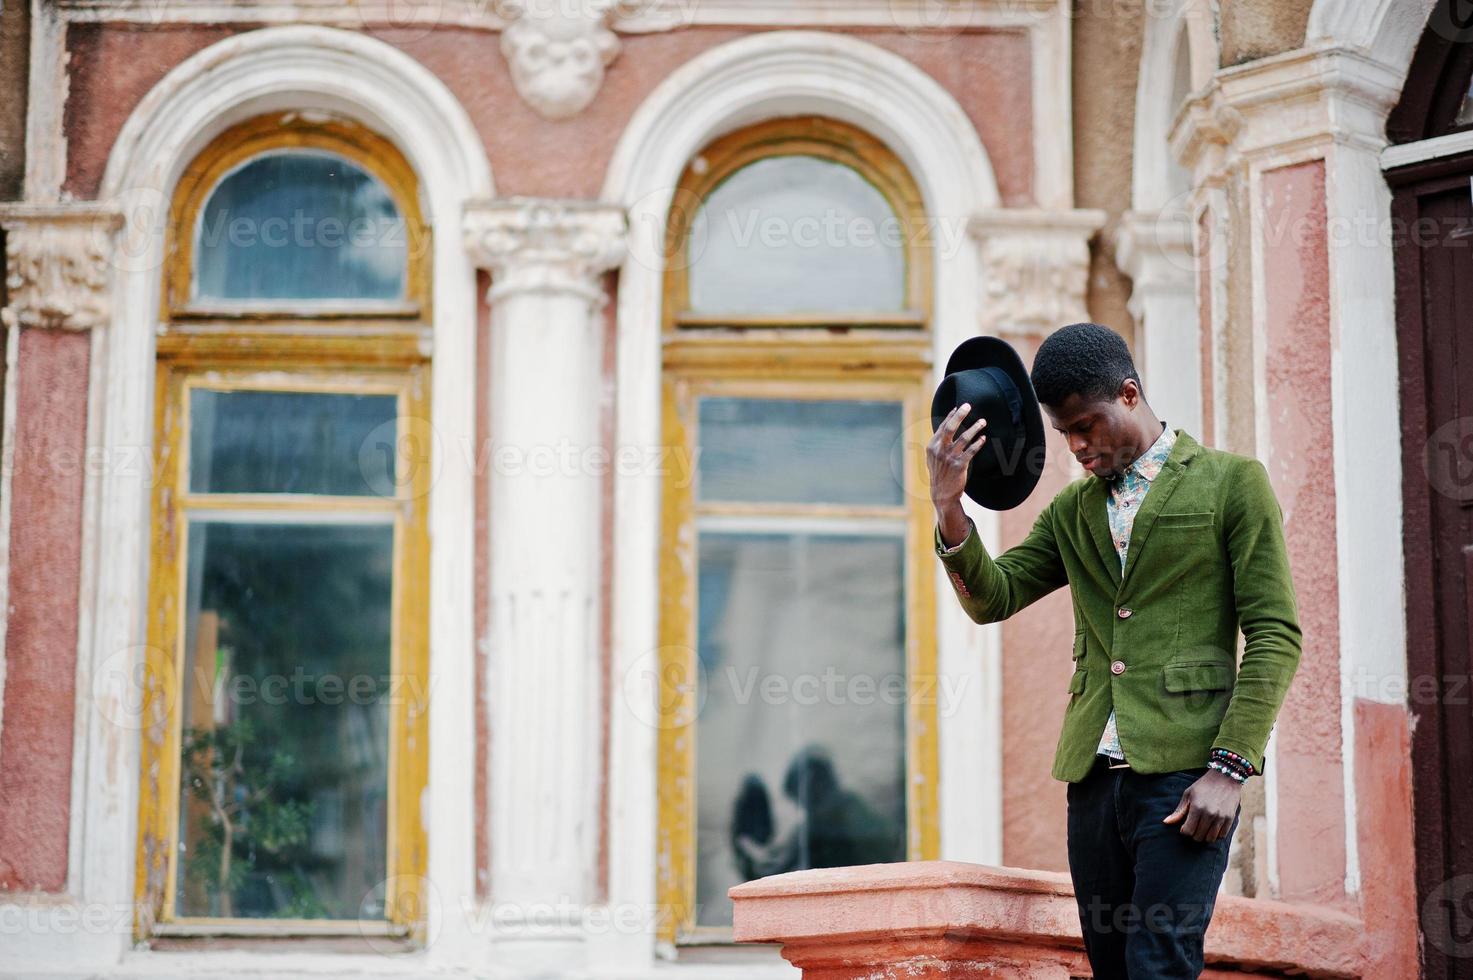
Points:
(1083, 359)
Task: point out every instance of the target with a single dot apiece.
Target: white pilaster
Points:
(1155, 250)
(57, 278)
(546, 260)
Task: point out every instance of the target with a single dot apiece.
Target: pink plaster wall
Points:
(1385, 836)
(114, 66)
(41, 639)
(1301, 462)
(1037, 651)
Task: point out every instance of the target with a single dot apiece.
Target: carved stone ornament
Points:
(557, 50)
(1035, 268)
(58, 261)
(545, 245)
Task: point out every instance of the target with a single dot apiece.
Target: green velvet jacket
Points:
(1158, 643)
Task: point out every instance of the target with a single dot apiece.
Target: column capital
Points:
(545, 245)
(1034, 267)
(58, 257)
(1156, 250)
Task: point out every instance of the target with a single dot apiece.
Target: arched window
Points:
(285, 740)
(798, 649)
(812, 224)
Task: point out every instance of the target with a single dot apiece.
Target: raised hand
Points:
(948, 456)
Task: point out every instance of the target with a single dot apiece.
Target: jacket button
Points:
(1118, 667)
(1123, 613)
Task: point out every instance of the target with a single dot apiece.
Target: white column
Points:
(546, 260)
(1155, 250)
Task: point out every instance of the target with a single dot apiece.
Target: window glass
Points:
(246, 441)
(300, 226)
(774, 450)
(796, 234)
(1465, 112)
(286, 701)
(800, 742)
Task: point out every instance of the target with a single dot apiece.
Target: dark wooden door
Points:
(1433, 210)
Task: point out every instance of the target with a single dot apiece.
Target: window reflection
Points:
(792, 450)
(801, 638)
(801, 741)
(300, 225)
(252, 441)
(796, 234)
(287, 691)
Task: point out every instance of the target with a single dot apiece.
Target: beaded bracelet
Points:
(1234, 768)
(1231, 774)
(1232, 758)
(1232, 764)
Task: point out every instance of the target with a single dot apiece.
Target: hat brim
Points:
(1007, 491)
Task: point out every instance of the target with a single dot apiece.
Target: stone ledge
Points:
(951, 919)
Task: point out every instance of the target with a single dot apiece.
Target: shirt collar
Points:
(1148, 465)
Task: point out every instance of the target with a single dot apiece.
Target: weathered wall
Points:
(1253, 29)
(41, 638)
(1301, 462)
(1106, 55)
(15, 61)
(114, 65)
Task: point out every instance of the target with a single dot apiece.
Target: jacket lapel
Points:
(1098, 519)
(1159, 493)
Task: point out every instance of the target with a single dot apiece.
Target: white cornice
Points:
(557, 50)
(625, 16)
(1317, 95)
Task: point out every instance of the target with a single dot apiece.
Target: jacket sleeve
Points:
(993, 589)
(1267, 613)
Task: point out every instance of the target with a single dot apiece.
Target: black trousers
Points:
(1145, 890)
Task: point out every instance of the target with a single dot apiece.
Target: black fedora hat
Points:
(987, 374)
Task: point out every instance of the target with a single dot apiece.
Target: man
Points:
(1168, 548)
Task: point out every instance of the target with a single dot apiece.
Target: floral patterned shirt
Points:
(1124, 502)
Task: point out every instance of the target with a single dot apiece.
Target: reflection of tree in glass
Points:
(244, 817)
(305, 612)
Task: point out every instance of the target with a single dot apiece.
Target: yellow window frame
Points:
(678, 656)
(842, 356)
(351, 348)
(815, 136)
(276, 133)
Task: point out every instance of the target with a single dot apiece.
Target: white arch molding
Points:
(763, 76)
(1156, 239)
(1387, 30)
(306, 69)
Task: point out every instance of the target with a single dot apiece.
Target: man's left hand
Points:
(1207, 808)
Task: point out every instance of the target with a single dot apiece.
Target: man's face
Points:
(1101, 434)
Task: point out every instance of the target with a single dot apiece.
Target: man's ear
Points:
(1130, 393)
